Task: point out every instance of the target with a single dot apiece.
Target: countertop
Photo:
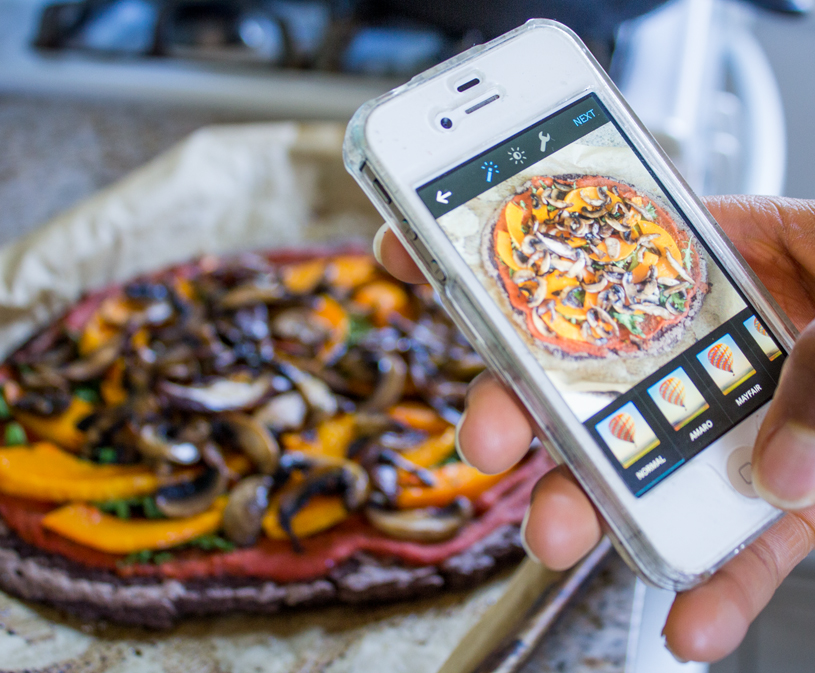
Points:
(55, 152)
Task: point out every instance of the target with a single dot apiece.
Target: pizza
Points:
(592, 267)
(248, 433)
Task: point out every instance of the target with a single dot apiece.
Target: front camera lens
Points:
(446, 123)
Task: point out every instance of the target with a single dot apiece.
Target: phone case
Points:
(555, 422)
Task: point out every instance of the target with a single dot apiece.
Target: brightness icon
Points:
(517, 155)
(491, 167)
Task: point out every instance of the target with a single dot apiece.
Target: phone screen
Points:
(645, 336)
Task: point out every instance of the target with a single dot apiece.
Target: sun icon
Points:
(517, 155)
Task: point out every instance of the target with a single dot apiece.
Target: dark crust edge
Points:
(34, 575)
(660, 342)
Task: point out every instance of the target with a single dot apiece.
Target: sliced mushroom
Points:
(254, 440)
(540, 325)
(283, 412)
(261, 291)
(644, 213)
(218, 395)
(523, 276)
(247, 504)
(577, 269)
(189, 498)
(559, 247)
(385, 479)
(646, 291)
(602, 322)
(613, 246)
(598, 286)
(677, 266)
(325, 477)
(545, 263)
(597, 203)
(589, 335)
(673, 289)
(537, 294)
(318, 395)
(430, 524)
(391, 385)
(573, 297)
(298, 324)
(97, 362)
(155, 445)
(652, 309)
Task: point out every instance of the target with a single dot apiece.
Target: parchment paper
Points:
(222, 190)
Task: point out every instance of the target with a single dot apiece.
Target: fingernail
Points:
(458, 445)
(378, 242)
(523, 539)
(784, 473)
(667, 647)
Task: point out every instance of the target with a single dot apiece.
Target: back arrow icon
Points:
(442, 197)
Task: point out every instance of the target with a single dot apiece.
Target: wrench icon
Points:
(544, 139)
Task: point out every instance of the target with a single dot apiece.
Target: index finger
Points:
(391, 254)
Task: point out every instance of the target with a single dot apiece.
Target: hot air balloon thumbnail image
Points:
(627, 434)
(678, 398)
(726, 364)
(762, 338)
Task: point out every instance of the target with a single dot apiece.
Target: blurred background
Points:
(91, 89)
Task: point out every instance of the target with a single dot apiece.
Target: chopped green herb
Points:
(523, 205)
(651, 210)
(163, 557)
(15, 434)
(579, 295)
(143, 556)
(687, 258)
(211, 543)
(358, 327)
(5, 412)
(677, 302)
(106, 455)
(630, 322)
(119, 508)
(87, 394)
(550, 208)
(151, 510)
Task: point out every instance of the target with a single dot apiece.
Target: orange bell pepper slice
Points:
(331, 313)
(46, 472)
(333, 437)
(112, 385)
(59, 429)
(92, 528)
(433, 450)
(451, 481)
(319, 514)
(347, 272)
(304, 277)
(418, 416)
(383, 298)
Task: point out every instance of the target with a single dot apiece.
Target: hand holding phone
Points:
(777, 237)
(593, 282)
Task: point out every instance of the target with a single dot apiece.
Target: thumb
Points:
(784, 455)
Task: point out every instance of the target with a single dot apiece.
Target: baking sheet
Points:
(224, 189)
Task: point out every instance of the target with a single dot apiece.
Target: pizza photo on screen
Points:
(593, 267)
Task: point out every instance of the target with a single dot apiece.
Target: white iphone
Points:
(592, 281)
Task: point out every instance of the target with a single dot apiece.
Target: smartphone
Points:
(592, 281)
